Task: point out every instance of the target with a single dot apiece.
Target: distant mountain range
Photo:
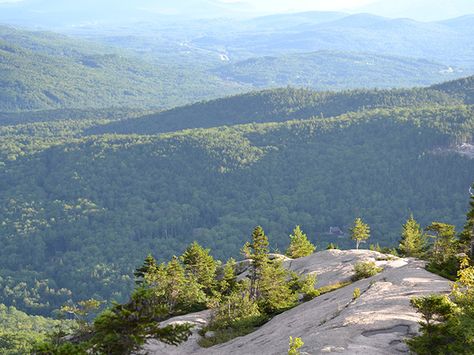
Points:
(70, 12)
(336, 70)
(44, 71)
(424, 10)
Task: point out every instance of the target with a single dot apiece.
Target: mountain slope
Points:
(276, 106)
(439, 42)
(326, 70)
(46, 71)
(461, 88)
(86, 211)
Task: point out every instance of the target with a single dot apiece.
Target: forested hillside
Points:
(42, 70)
(331, 70)
(79, 213)
(285, 104)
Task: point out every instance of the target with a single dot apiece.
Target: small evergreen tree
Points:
(174, 289)
(413, 239)
(201, 265)
(235, 310)
(360, 232)
(445, 243)
(300, 246)
(257, 251)
(124, 328)
(228, 282)
(148, 265)
(275, 293)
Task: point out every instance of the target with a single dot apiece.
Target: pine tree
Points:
(445, 245)
(201, 265)
(257, 251)
(173, 289)
(300, 246)
(360, 232)
(148, 265)
(124, 328)
(413, 239)
(466, 239)
(228, 282)
(183, 292)
(275, 293)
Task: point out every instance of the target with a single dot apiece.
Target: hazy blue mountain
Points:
(425, 10)
(447, 43)
(324, 70)
(71, 12)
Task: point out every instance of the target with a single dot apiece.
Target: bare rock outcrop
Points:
(376, 323)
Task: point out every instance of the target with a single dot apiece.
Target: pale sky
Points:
(302, 5)
(425, 10)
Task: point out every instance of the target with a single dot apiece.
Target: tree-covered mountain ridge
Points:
(44, 70)
(290, 103)
(86, 210)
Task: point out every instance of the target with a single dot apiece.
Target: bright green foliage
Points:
(356, 293)
(436, 312)
(19, 332)
(300, 246)
(360, 232)
(274, 292)
(304, 285)
(365, 269)
(49, 348)
(173, 288)
(445, 242)
(82, 312)
(295, 345)
(148, 265)
(442, 255)
(448, 321)
(234, 310)
(332, 246)
(413, 241)
(257, 252)
(228, 282)
(201, 266)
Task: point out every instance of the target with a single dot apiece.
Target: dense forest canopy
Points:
(79, 212)
(283, 105)
(330, 70)
(42, 70)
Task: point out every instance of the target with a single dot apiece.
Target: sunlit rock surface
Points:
(376, 323)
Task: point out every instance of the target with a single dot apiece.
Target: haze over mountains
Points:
(69, 12)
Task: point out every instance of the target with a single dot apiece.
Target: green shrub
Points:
(294, 345)
(364, 270)
(356, 293)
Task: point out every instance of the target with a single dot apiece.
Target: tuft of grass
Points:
(333, 287)
(238, 329)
